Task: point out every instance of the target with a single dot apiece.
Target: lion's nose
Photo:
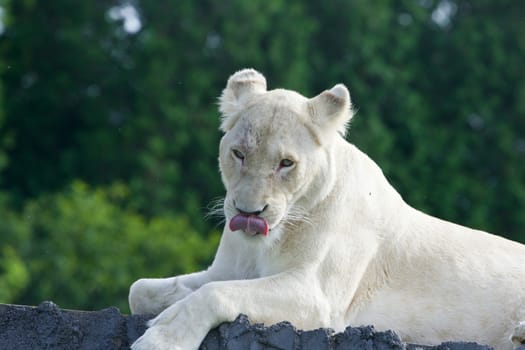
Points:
(248, 212)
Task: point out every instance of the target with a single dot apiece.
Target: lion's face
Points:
(274, 157)
(267, 160)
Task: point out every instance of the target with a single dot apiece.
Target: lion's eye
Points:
(238, 154)
(286, 163)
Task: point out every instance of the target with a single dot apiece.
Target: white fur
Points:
(343, 248)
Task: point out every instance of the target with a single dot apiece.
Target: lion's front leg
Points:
(185, 324)
(153, 295)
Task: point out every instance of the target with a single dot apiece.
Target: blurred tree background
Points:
(109, 123)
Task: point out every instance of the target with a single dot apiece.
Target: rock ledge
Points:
(49, 327)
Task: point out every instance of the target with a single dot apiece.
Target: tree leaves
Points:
(438, 87)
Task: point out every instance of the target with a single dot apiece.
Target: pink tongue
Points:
(252, 224)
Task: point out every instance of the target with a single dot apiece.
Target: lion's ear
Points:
(241, 85)
(332, 109)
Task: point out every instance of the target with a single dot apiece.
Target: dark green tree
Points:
(437, 86)
(66, 85)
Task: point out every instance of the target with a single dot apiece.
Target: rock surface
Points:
(49, 327)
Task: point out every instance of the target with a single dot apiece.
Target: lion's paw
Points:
(182, 326)
(157, 338)
(166, 338)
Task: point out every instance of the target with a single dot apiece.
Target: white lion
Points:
(317, 236)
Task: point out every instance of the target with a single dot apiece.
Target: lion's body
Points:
(343, 248)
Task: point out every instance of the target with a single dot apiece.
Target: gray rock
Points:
(49, 327)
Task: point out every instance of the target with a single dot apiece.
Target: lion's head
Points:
(276, 153)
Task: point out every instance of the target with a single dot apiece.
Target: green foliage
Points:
(14, 276)
(81, 249)
(437, 85)
(64, 83)
(3, 141)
